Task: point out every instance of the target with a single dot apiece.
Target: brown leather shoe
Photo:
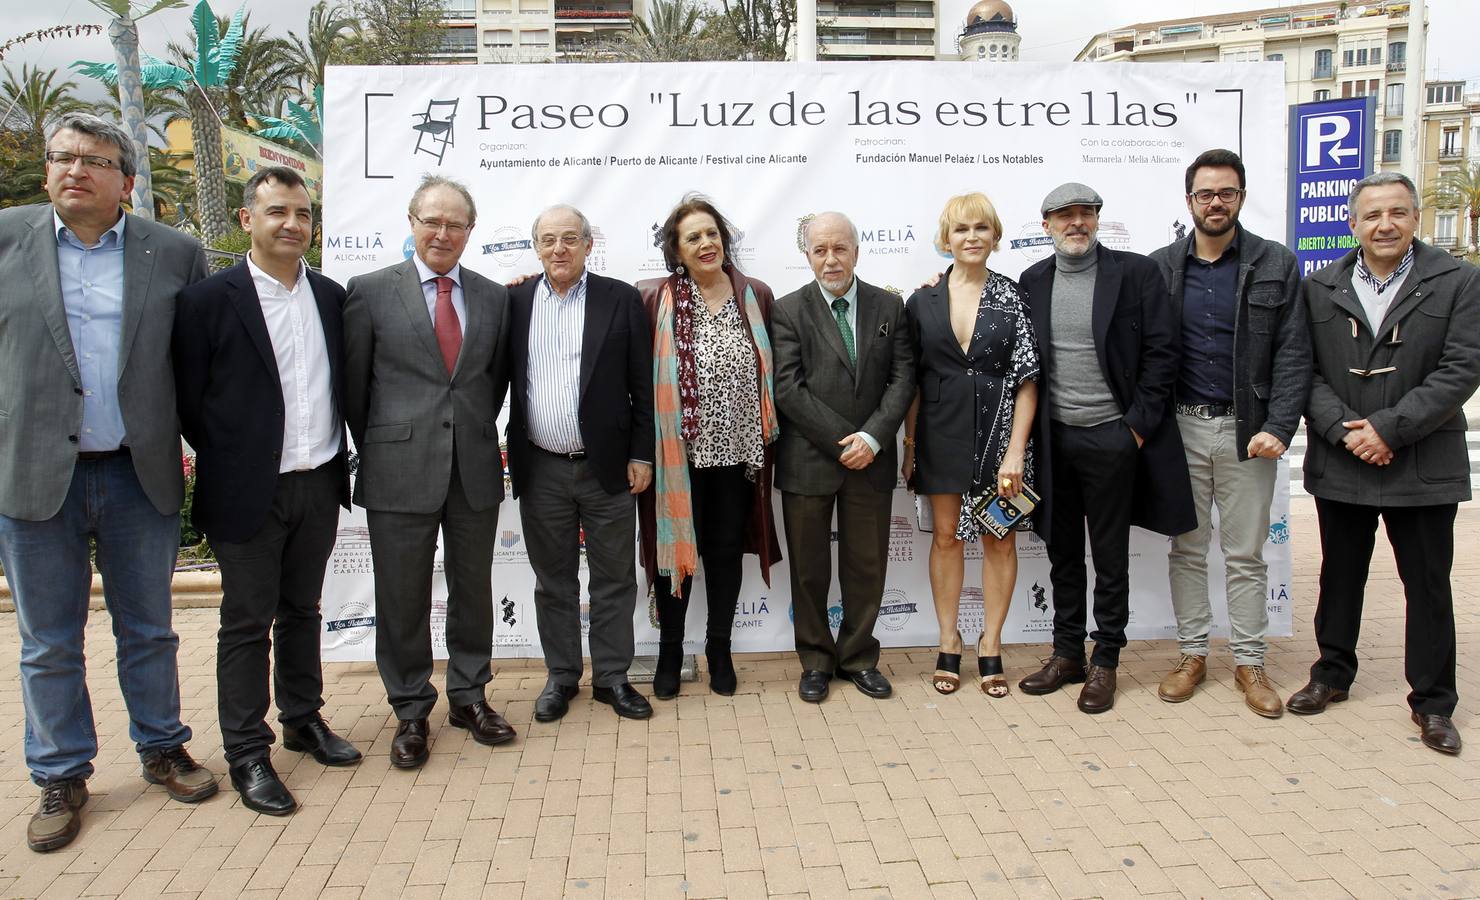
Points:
(1184, 679)
(1439, 733)
(1098, 693)
(1259, 694)
(487, 726)
(59, 817)
(1314, 698)
(1057, 671)
(182, 778)
(409, 746)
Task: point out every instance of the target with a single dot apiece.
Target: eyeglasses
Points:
(568, 241)
(1227, 195)
(63, 159)
(453, 229)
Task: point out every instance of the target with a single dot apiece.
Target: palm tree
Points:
(1459, 190)
(124, 35)
(35, 100)
(161, 108)
(329, 27)
(672, 33)
(202, 85)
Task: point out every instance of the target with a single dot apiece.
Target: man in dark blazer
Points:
(580, 449)
(90, 451)
(1110, 454)
(259, 365)
(841, 402)
(1395, 326)
(425, 374)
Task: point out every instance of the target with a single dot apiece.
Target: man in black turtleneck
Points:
(1109, 455)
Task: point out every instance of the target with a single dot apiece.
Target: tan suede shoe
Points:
(1183, 680)
(1259, 694)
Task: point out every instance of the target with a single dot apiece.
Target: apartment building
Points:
(876, 29)
(521, 31)
(1451, 123)
(1329, 50)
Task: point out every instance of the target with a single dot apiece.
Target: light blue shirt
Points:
(92, 295)
(429, 291)
(851, 295)
(557, 327)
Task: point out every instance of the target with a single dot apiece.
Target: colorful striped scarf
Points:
(678, 551)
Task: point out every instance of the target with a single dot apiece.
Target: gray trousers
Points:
(402, 546)
(1242, 491)
(563, 500)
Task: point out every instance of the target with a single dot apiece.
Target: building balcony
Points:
(1399, 66)
(835, 47)
(1446, 242)
(605, 12)
(1451, 154)
(861, 19)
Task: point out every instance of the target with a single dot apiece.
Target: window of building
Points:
(1444, 228)
(1393, 102)
(498, 7)
(1275, 57)
(1446, 92)
(1392, 145)
(1449, 145)
(1347, 56)
(460, 9)
(498, 37)
(534, 37)
(1321, 95)
(1323, 64)
(1397, 53)
(458, 40)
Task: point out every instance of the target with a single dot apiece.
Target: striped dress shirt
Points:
(557, 325)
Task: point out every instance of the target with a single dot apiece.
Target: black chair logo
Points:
(436, 123)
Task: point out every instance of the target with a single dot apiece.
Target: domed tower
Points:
(991, 33)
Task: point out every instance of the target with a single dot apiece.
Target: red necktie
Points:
(444, 324)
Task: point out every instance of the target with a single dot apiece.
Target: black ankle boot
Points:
(670, 666)
(721, 667)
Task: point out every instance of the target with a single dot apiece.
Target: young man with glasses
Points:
(90, 453)
(425, 372)
(1240, 391)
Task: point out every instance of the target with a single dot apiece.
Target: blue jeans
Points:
(47, 565)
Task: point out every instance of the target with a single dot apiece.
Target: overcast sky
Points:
(1052, 30)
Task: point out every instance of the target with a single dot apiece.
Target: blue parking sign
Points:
(1330, 151)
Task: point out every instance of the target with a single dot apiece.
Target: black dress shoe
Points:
(487, 726)
(554, 702)
(1057, 671)
(315, 737)
(261, 788)
(1314, 698)
(813, 686)
(869, 681)
(625, 699)
(409, 746)
(1439, 732)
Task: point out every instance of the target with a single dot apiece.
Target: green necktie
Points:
(840, 312)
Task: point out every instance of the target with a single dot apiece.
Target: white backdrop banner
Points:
(771, 144)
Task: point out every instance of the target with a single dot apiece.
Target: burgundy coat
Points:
(760, 521)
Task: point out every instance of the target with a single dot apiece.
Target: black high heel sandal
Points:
(947, 677)
(994, 681)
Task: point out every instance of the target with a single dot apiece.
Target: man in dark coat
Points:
(1110, 455)
(1395, 327)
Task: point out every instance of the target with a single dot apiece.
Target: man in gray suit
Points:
(845, 376)
(425, 377)
(1395, 328)
(90, 448)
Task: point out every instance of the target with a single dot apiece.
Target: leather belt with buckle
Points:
(95, 455)
(573, 455)
(1205, 410)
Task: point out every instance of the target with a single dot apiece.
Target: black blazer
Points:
(616, 407)
(231, 402)
(1140, 349)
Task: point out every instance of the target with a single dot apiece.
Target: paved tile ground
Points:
(761, 794)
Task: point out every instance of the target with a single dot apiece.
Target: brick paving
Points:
(761, 794)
